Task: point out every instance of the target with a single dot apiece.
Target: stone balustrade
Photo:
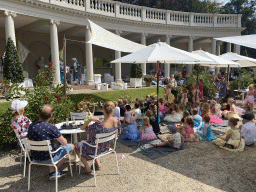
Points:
(151, 15)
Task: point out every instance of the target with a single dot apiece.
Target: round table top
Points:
(71, 131)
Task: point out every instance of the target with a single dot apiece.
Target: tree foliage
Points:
(12, 67)
(136, 71)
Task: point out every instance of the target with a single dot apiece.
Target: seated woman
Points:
(206, 132)
(232, 141)
(175, 116)
(19, 121)
(198, 122)
(109, 124)
(146, 131)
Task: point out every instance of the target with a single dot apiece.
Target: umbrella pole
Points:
(157, 88)
(228, 79)
(197, 79)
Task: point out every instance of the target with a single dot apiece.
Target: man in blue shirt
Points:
(43, 130)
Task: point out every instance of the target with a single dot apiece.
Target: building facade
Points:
(40, 25)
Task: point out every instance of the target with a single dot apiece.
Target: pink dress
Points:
(191, 136)
(249, 98)
(200, 87)
(162, 108)
(216, 120)
(147, 134)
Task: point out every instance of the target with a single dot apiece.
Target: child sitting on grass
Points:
(198, 122)
(174, 141)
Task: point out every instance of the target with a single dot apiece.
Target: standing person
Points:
(200, 87)
(19, 121)
(173, 82)
(109, 124)
(223, 86)
(248, 129)
(43, 130)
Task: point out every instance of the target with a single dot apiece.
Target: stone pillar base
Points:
(119, 81)
(90, 82)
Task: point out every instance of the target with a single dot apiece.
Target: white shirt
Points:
(137, 113)
(248, 132)
(116, 112)
(176, 138)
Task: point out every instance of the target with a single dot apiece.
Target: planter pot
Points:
(148, 83)
(136, 82)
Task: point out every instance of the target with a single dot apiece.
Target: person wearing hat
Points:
(20, 123)
(248, 129)
(174, 141)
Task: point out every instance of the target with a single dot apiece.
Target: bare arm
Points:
(86, 123)
(62, 140)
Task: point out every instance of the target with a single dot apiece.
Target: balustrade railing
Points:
(139, 13)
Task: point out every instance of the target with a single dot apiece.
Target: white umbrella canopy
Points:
(242, 60)
(216, 61)
(163, 53)
(245, 40)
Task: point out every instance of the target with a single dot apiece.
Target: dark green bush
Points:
(243, 81)
(136, 71)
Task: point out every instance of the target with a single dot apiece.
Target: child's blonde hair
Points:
(215, 110)
(146, 121)
(149, 114)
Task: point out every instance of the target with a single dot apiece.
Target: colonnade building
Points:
(40, 25)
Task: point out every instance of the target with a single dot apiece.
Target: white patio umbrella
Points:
(161, 53)
(242, 60)
(244, 40)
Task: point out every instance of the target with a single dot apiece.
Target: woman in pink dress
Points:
(200, 87)
(146, 131)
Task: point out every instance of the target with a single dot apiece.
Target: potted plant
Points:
(136, 75)
(148, 79)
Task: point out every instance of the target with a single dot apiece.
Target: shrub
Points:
(243, 81)
(136, 71)
(12, 68)
(209, 87)
(43, 94)
(149, 78)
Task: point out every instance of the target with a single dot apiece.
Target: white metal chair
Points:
(44, 146)
(20, 141)
(101, 138)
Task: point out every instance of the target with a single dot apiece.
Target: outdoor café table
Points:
(72, 131)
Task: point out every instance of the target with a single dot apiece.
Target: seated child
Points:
(188, 131)
(198, 122)
(146, 131)
(137, 112)
(182, 121)
(206, 132)
(232, 112)
(197, 106)
(205, 109)
(188, 106)
(147, 102)
(127, 114)
(216, 115)
(174, 141)
(116, 112)
(153, 122)
(153, 108)
(175, 116)
(161, 106)
(131, 133)
(232, 141)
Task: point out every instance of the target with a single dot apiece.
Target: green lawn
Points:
(4, 106)
(104, 96)
(115, 95)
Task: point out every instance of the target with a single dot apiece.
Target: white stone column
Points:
(89, 57)
(143, 42)
(217, 69)
(55, 51)
(190, 49)
(167, 65)
(237, 49)
(213, 46)
(118, 67)
(228, 47)
(9, 25)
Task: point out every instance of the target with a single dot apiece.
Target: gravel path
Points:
(202, 167)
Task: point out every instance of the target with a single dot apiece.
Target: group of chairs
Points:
(27, 145)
